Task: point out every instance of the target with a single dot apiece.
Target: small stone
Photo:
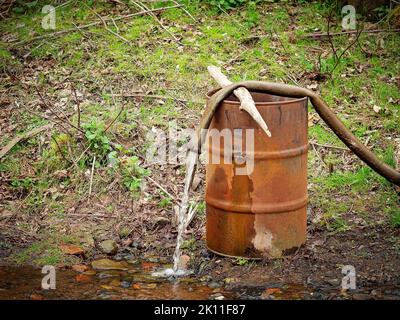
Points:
(108, 247)
(124, 232)
(217, 296)
(126, 284)
(160, 222)
(214, 285)
(230, 280)
(106, 287)
(108, 274)
(90, 272)
(80, 268)
(333, 282)
(137, 245)
(263, 72)
(361, 296)
(107, 264)
(313, 86)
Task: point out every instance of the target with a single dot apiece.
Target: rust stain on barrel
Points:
(264, 213)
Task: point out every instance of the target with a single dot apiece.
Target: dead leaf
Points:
(377, 109)
(82, 278)
(269, 292)
(72, 249)
(312, 119)
(106, 287)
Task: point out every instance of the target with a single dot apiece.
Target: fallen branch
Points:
(78, 105)
(330, 37)
(328, 146)
(144, 7)
(327, 34)
(162, 189)
(63, 119)
(246, 100)
(184, 10)
(62, 32)
(25, 136)
(338, 57)
(107, 28)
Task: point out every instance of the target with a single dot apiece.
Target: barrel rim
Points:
(210, 93)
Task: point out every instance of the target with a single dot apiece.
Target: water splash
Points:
(171, 273)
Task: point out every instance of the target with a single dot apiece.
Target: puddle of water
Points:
(134, 283)
(143, 281)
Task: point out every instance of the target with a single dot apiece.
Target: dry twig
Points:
(65, 31)
(78, 105)
(153, 96)
(149, 12)
(62, 119)
(25, 136)
(324, 34)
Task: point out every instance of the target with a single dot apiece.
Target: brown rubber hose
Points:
(319, 105)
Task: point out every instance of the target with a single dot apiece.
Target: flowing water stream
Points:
(136, 281)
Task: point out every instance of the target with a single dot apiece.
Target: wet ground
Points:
(136, 281)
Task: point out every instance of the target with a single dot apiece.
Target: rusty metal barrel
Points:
(262, 214)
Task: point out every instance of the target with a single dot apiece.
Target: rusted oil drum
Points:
(263, 214)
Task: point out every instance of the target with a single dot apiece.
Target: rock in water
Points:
(107, 264)
(79, 268)
(109, 247)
